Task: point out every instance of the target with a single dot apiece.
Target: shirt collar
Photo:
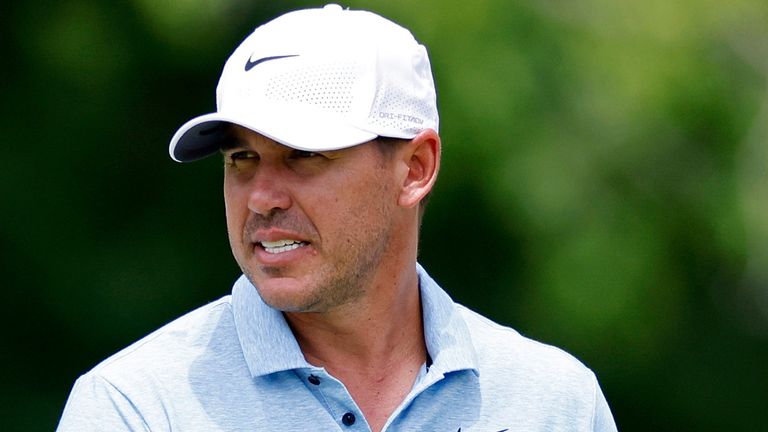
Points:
(447, 336)
(269, 345)
(266, 339)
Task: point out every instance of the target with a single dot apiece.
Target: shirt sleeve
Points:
(602, 419)
(96, 405)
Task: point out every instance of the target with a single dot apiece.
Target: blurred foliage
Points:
(603, 187)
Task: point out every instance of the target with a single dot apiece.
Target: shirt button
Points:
(313, 380)
(348, 419)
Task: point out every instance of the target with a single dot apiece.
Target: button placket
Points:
(335, 398)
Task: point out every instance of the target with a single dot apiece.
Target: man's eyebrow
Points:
(231, 142)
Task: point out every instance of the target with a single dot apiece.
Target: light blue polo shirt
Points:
(234, 365)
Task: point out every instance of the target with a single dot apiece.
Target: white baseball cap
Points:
(317, 80)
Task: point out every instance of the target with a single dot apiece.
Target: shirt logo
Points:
(250, 64)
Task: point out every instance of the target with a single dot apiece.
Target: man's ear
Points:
(420, 162)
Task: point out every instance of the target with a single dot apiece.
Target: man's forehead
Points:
(236, 136)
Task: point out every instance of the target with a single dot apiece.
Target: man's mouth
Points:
(280, 246)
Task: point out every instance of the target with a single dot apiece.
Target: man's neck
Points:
(384, 323)
(374, 346)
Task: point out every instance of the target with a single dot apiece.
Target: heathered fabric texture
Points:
(234, 365)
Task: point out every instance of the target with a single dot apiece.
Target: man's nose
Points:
(268, 191)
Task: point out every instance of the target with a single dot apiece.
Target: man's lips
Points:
(282, 245)
(280, 239)
(276, 246)
(282, 252)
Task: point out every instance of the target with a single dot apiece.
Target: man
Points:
(327, 122)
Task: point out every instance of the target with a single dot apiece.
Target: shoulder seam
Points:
(110, 384)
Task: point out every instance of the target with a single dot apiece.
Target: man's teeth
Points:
(275, 247)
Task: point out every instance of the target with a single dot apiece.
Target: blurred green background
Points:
(604, 187)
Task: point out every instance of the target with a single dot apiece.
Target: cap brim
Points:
(202, 136)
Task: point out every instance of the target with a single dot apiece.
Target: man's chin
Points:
(286, 294)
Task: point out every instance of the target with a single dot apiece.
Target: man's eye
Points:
(303, 154)
(241, 159)
(243, 155)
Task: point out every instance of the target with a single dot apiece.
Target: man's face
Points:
(309, 230)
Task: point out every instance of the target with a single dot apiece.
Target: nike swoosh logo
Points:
(250, 64)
